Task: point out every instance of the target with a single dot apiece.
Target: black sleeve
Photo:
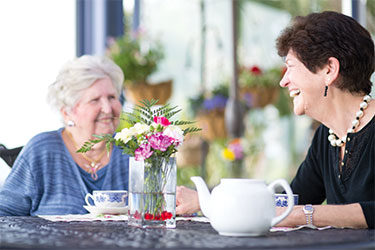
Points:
(308, 182)
(368, 208)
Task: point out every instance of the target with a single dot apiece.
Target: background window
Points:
(37, 38)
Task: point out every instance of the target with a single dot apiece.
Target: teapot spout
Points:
(203, 195)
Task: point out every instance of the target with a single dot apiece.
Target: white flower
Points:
(124, 135)
(140, 128)
(175, 132)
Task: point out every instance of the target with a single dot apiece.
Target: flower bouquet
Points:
(152, 140)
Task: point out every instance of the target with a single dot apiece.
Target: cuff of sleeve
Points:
(368, 208)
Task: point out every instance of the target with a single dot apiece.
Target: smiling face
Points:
(97, 111)
(304, 86)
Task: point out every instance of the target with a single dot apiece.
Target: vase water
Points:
(152, 192)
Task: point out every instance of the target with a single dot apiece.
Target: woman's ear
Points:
(332, 69)
(65, 114)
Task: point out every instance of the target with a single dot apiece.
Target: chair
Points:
(9, 155)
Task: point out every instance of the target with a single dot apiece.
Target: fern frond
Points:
(181, 122)
(87, 146)
(148, 103)
(133, 118)
(144, 110)
(191, 130)
(171, 113)
(162, 110)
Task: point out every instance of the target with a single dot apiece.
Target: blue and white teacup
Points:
(107, 198)
(281, 200)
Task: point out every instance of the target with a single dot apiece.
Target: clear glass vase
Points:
(152, 193)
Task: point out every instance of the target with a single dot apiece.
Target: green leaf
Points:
(183, 122)
(191, 130)
(87, 146)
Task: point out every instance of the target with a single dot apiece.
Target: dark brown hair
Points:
(318, 36)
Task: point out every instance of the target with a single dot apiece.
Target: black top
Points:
(322, 175)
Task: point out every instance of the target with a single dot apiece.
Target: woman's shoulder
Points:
(39, 153)
(48, 140)
(46, 136)
(371, 124)
(321, 134)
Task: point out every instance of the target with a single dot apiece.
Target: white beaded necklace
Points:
(334, 140)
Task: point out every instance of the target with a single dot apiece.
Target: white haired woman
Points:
(49, 176)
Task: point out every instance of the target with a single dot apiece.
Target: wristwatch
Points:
(308, 211)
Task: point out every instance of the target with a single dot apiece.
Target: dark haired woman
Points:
(329, 59)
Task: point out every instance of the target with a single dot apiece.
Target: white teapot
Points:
(242, 207)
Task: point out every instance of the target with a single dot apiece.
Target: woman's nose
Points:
(106, 106)
(284, 81)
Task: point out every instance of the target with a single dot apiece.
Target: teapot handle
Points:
(285, 185)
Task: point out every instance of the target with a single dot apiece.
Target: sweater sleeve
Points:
(17, 194)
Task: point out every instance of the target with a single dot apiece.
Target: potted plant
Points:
(209, 110)
(138, 56)
(259, 87)
(152, 140)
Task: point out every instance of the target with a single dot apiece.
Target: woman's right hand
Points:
(187, 201)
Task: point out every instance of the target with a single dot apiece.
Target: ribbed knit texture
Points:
(45, 180)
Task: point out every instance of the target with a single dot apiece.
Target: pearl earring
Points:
(71, 123)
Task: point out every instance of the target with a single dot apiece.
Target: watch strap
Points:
(308, 210)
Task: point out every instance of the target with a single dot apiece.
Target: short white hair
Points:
(78, 75)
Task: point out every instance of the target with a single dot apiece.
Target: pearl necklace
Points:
(334, 140)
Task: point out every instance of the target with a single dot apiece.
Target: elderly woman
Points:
(49, 176)
(329, 59)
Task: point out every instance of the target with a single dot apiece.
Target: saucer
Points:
(106, 210)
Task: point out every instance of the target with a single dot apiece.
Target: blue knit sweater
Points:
(45, 180)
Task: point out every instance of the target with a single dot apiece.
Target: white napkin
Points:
(85, 217)
(106, 217)
(288, 229)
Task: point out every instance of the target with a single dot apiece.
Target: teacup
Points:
(281, 200)
(107, 198)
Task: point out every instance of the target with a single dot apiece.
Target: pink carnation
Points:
(143, 152)
(158, 141)
(162, 120)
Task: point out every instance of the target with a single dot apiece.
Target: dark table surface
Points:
(38, 233)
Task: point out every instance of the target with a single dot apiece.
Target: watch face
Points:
(308, 208)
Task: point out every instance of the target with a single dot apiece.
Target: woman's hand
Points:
(187, 201)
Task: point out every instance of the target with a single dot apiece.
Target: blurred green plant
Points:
(255, 76)
(137, 55)
(184, 174)
(302, 7)
(215, 99)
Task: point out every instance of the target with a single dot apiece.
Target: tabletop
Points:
(34, 232)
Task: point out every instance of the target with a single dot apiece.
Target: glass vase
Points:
(152, 193)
